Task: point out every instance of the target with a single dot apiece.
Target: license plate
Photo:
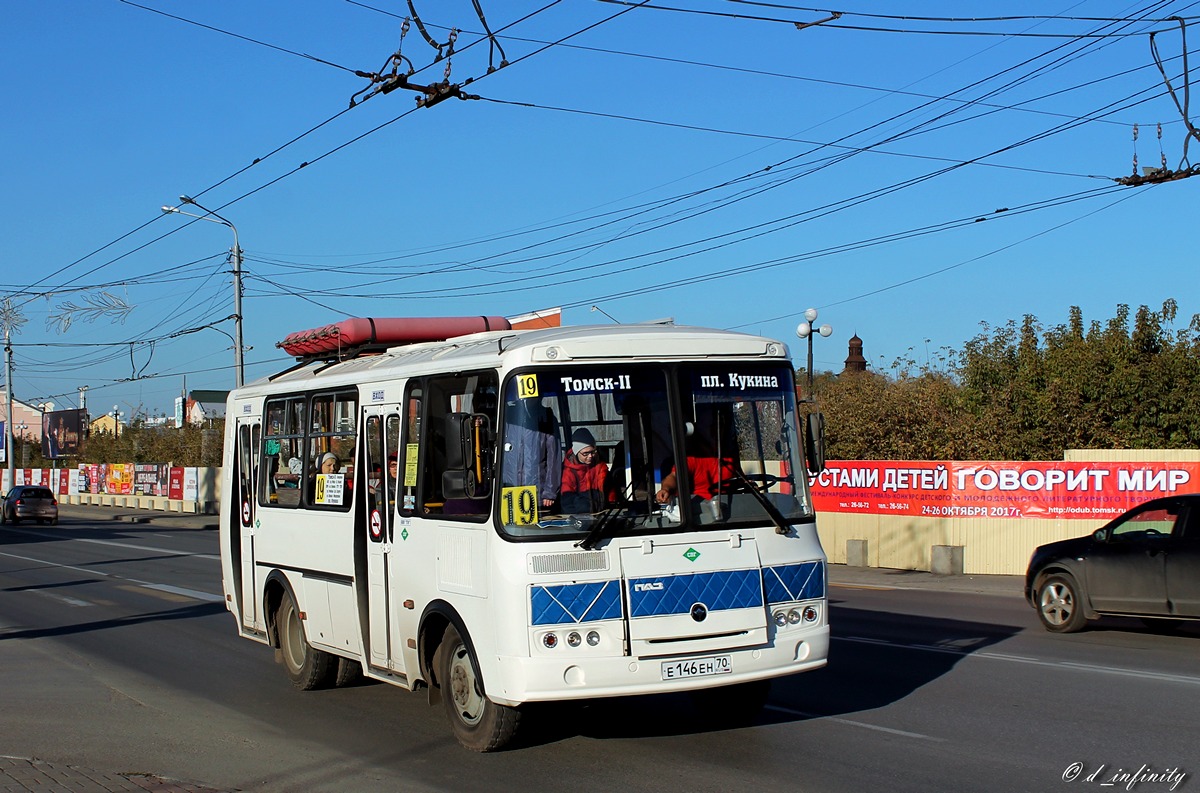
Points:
(697, 667)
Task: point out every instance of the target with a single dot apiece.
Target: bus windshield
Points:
(587, 449)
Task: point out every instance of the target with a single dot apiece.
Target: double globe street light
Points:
(806, 330)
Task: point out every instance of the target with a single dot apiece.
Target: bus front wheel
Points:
(308, 668)
(478, 723)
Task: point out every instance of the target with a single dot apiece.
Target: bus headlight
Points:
(811, 614)
(550, 640)
(781, 619)
(793, 617)
(574, 639)
(593, 638)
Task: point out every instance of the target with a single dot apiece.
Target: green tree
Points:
(1025, 392)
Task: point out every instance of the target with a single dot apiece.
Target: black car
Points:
(1146, 563)
(29, 502)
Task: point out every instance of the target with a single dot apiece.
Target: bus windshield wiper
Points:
(773, 513)
(597, 532)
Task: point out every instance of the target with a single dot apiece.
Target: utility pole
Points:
(236, 257)
(8, 399)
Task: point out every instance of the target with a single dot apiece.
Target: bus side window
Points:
(408, 453)
(457, 408)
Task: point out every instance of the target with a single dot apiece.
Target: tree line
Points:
(1026, 392)
(184, 446)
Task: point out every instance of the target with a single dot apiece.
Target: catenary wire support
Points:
(385, 81)
(416, 18)
(1135, 137)
(1182, 107)
(1185, 169)
(396, 60)
(493, 42)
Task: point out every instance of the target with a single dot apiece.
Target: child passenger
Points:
(585, 484)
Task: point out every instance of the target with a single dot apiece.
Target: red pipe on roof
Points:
(384, 332)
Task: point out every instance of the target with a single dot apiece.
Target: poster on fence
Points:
(1049, 490)
(175, 484)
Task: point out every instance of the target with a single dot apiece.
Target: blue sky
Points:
(706, 160)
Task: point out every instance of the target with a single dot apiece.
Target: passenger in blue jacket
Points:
(532, 454)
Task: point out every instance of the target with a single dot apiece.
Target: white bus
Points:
(498, 517)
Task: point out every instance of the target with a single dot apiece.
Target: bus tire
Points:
(307, 667)
(349, 672)
(478, 723)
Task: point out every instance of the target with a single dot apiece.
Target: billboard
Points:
(994, 489)
(62, 432)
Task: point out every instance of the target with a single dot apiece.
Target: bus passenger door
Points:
(248, 450)
(382, 430)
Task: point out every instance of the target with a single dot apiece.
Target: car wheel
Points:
(308, 668)
(1060, 604)
(3, 516)
(478, 723)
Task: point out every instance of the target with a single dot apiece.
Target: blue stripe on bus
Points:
(718, 591)
(791, 582)
(575, 603)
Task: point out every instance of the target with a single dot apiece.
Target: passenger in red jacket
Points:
(585, 485)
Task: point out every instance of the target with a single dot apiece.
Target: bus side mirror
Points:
(469, 444)
(814, 442)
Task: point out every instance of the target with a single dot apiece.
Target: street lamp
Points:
(237, 279)
(806, 330)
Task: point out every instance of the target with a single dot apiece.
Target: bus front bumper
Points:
(573, 677)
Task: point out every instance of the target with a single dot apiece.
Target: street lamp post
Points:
(239, 370)
(806, 330)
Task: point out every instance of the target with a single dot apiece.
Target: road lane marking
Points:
(191, 593)
(130, 546)
(194, 594)
(1024, 659)
(70, 601)
(852, 723)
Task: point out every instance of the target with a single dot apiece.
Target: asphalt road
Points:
(117, 654)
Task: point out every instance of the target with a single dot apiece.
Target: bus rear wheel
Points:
(478, 723)
(308, 668)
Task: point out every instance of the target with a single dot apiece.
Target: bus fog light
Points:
(593, 638)
(793, 617)
(811, 614)
(780, 619)
(550, 640)
(574, 639)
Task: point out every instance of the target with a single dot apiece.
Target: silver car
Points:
(29, 502)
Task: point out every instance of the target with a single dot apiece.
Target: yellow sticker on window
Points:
(518, 505)
(527, 386)
(410, 465)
